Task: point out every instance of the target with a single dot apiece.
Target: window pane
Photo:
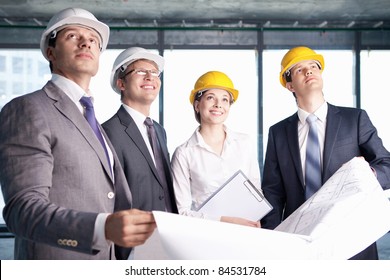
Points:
(338, 77)
(21, 72)
(17, 65)
(107, 101)
(2, 63)
(375, 97)
(279, 103)
(184, 67)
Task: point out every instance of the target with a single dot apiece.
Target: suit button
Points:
(110, 195)
(161, 197)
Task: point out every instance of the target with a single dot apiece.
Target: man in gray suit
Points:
(136, 77)
(65, 192)
(343, 133)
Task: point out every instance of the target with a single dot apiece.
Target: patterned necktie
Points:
(313, 164)
(90, 116)
(158, 160)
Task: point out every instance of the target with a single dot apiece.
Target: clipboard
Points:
(237, 197)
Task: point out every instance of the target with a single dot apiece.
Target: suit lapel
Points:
(163, 145)
(293, 144)
(135, 135)
(67, 107)
(333, 122)
(165, 153)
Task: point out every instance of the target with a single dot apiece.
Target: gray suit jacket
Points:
(55, 178)
(349, 134)
(140, 171)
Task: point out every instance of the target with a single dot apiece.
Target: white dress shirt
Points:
(198, 171)
(303, 131)
(139, 119)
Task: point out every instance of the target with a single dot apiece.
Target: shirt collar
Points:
(138, 117)
(70, 88)
(197, 138)
(320, 113)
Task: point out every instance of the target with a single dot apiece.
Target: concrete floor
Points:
(6, 248)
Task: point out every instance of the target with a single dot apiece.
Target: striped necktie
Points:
(313, 158)
(158, 158)
(90, 116)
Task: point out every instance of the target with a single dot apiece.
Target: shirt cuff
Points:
(99, 241)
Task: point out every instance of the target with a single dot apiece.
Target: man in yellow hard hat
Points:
(300, 157)
(66, 196)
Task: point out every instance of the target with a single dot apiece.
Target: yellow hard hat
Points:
(296, 55)
(213, 79)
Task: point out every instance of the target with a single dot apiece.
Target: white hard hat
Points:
(74, 16)
(127, 57)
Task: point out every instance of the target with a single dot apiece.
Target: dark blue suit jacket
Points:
(349, 133)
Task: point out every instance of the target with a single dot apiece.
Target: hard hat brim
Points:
(102, 29)
(233, 91)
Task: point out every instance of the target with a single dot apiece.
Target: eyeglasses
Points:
(144, 72)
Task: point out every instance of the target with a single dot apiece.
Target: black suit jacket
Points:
(137, 163)
(349, 133)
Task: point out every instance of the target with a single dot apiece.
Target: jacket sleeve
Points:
(26, 176)
(372, 149)
(272, 186)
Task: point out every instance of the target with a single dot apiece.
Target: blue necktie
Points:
(313, 164)
(158, 160)
(90, 116)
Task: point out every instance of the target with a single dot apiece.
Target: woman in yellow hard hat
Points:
(213, 153)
